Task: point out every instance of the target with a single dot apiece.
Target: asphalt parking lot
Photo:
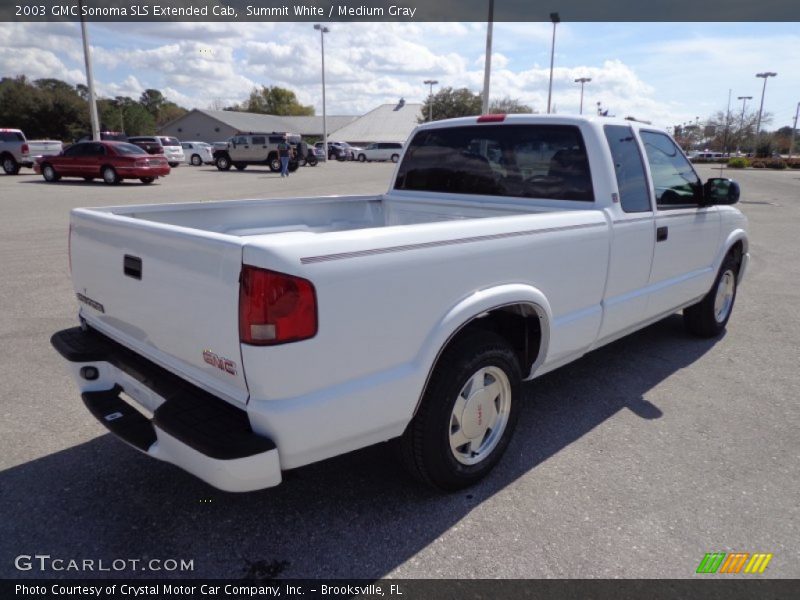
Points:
(633, 462)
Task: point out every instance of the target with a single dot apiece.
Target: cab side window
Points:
(629, 169)
(675, 182)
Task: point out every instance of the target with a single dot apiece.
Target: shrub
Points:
(793, 163)
(738, 163)
(776, 163)
(757, 164)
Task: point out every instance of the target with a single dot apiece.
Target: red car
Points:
(111, 161)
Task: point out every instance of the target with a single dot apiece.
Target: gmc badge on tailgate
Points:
(223, 364)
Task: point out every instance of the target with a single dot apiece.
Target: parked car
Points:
(14, 151)
(39, 148)
(381, 151)
(198, 153)
(254, 148)
(110, 161)
(257, 336)
(340, 151)
(170, 147)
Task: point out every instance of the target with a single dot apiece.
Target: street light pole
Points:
(764, 76)
(431, 83)
(487, 63)
(322, 31)
(794, 127)
(87, 57)
(744, 100)
(582, 80)
(555, 19)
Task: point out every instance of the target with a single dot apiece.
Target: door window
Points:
(629, 169)
(77, 150)
(259, 140)
(675, 182)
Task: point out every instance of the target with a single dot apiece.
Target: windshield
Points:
(125, 149)
(169, 141)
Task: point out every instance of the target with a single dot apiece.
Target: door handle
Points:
(662, 233)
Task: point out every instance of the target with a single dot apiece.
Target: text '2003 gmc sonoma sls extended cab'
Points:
(240, 339)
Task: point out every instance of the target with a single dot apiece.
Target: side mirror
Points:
(720, 190)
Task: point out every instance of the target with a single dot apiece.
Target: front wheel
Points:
(196, 160)
(240, 166)
(395, 158)
(275, 164)
(49, 174)
(362, 158)
(467, 414)
(147, 180)
(223, 163)
(709, 317)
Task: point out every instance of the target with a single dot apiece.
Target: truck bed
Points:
(317, 215)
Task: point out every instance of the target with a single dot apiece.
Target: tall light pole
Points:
(487, 63)
(87, 57)
(744, 100)
(431, 83)
(582, 81)
(764, 76)
(555, 19)
(322, 31)
(794, 127)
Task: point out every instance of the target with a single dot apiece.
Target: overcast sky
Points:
(665, 72)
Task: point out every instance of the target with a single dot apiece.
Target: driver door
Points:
(687, 233)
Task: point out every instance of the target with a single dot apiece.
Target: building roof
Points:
(387, 123)
(245, 121)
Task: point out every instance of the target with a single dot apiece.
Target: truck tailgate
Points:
(171, 294)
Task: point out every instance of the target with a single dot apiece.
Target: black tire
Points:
(709, 317)
(49, 173)
(362, 158)
(274, 164)
(224, 162)
(10, 165)
(395, 158)
(147, 180)
(312, 161)
(240, 166)
(174, 165)
(87, 179)
(425, 446)
(196, 160)
(110, 176)
(293, 166)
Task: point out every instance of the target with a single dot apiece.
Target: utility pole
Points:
(87, 57)
(727, 123)
(487, 63)
(744, 100)
(794, 127)
(555, 19)
(431, 83)
(766, 75)
(322, 31)
(582, 81)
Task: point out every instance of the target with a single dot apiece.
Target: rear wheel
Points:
(709, 317)
(174, 165)
(240, 166)
(147, 180)
(467, 414)
(196, 160)
(49, 173)
(293, 166)
(10, 165)
(110, 176)
(223, 162)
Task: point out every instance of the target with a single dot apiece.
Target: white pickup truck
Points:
(240, 339)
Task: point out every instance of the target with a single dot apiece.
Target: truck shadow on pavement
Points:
(356, 515)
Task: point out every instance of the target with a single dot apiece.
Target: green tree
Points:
(508, 106)
(152, 100)
(448, 103)
(275, 100)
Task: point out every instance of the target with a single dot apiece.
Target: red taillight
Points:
(491, 118)
(275, 308)
(25, 149)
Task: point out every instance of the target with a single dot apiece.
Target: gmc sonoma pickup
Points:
(240, 339)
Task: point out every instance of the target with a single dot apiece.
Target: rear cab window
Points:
(629, 168)
(527, 161)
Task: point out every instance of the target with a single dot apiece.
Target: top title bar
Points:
(400, 10)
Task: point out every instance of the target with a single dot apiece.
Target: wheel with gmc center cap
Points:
(467, 414)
